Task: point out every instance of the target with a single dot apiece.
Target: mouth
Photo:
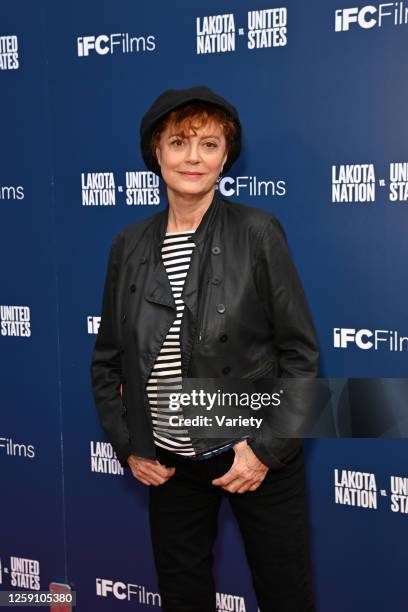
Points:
(192, 174)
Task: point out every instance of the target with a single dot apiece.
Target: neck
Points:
(186, 210)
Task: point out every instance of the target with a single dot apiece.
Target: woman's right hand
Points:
(149, 471)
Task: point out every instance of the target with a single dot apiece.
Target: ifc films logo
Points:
(110, 44)
(369, 16)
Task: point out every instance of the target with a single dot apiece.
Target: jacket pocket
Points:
(265, 367)
(203, 318)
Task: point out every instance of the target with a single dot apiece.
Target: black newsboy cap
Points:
(174, 98)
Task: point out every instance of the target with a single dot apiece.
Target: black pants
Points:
(272, 520)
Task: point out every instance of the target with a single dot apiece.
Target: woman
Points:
(205, 289)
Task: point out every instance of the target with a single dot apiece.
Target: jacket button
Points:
(226, 370)
(132, 288)
(221, 308)
(223, 338)
(123, 318)
(216, 250)
(215, 280)
(143, 260)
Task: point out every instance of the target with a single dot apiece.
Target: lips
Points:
(192, 173)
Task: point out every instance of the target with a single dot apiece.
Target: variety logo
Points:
(11, 192)
(15, 321)
(22, 573)
(104, 460)
(109, 44)
(366, 339)
(250, 185)
(265, 28)
(9, 53)
(371, 16)
(16, 449)
(101, 189)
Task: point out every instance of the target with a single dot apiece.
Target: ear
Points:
(158, 154)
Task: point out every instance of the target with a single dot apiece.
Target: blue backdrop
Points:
(322, 92)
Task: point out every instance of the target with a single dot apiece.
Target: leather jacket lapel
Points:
(190, 290)
(159, 290)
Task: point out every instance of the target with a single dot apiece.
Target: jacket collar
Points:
(206, 223)
(159, 290)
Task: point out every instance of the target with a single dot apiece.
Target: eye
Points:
(210, 145)
(176, 141)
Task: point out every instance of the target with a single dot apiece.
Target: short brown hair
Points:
(194, 115)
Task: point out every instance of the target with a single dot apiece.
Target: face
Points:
(191, 164)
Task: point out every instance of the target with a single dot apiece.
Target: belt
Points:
(216, 451)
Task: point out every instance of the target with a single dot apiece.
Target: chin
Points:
(189, 188)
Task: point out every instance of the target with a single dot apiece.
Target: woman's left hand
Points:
(246, 473)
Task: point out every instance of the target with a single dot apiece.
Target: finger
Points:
(146, 468)
(143, 481)
(245, 488)
(236, 484)
(160, 468)
(153, 478)
(140, 478)
(226, 478)
(255, 486)
(169, 471)
(156, 469)
(167, 477)
(149, 465)
(163, 474)
(163, 479)
(242, 490)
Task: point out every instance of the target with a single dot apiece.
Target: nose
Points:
(193, 151)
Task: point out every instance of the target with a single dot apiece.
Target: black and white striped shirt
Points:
(165, 377)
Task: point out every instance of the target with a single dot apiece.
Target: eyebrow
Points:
(206, 136)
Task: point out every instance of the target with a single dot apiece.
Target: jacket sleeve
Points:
(284, 302)
(106, 373)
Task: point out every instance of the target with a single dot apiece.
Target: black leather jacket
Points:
(245, 316)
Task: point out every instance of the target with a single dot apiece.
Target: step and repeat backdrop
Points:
(322, 92)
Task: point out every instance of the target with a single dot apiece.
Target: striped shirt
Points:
(165, 377)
